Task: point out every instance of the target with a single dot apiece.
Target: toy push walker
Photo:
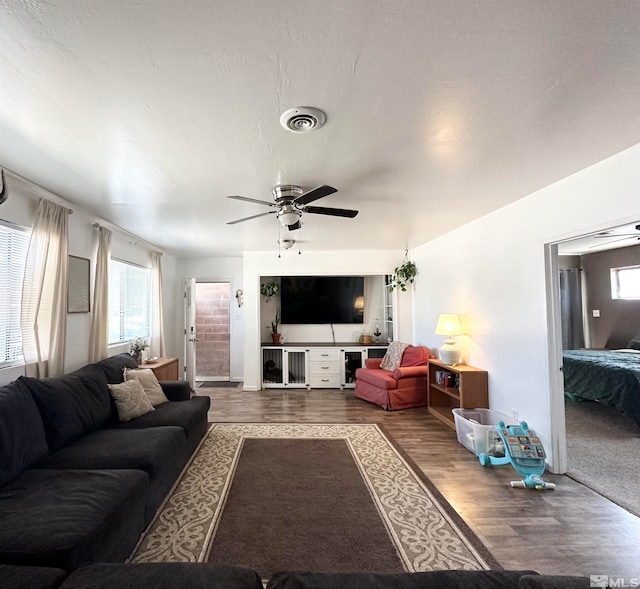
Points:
(523, 449)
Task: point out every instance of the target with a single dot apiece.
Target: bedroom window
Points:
(14, 242)
(129, 301)
(625, 282)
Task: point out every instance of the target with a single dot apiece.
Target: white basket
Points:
(476, 428)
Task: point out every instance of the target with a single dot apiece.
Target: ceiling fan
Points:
(618, 236)
(290, 201)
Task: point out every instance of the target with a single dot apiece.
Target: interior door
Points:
(190, 336)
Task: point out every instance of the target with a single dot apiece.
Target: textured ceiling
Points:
(148, 113)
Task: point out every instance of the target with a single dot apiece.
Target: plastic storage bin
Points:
(475, 428)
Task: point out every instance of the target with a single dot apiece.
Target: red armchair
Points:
(401, 388)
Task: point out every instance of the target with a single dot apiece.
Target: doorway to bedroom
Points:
(601, 441)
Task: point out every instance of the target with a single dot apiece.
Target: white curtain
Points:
(157, 322)
(99, 337)
(43, 314)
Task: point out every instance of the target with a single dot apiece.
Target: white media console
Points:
(315, 366)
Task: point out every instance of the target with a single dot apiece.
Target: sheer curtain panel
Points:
(99, 337)
(43, 314)
(157, 322)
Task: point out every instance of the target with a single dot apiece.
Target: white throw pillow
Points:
(149, 383)
(393, 357)
(131, 400)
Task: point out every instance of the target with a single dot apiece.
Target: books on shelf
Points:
(447, 379)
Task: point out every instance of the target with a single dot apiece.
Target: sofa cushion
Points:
(70, 405)
(163, 575)
(430, 580)
(415, 356)
(383, 379)
(131, 400)
(113, 367)
(22, 435)
(190, 415)
(553, 582)
(70, 518)
(149, 383)
(29, 577)
(143, 449)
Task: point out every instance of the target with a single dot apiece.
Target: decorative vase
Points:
(137, 356)
(275, 338)
(366, 339)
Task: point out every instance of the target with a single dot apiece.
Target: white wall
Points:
(257, 264)
(20, 208)
(493, 272)
(213, 270)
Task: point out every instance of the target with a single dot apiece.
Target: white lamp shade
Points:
(448, 324)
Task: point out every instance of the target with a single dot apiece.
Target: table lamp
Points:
(449, 325)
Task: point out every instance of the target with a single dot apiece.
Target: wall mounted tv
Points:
(321, 299)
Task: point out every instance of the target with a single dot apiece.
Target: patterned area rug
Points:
(235, 492)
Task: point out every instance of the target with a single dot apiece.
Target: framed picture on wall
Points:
(78, 297)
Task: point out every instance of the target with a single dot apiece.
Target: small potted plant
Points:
(364, 337)
(275, 336)
(269, 289)
(138, 345)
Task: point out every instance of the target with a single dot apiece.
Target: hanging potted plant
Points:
(403, 274)
(269, 289)
(275, 336)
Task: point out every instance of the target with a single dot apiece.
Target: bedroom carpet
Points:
(603, 452)
(315, 497)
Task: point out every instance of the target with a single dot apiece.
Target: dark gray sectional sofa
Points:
(76, 485)
(210, 576)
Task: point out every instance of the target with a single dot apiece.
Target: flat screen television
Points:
(321, 299)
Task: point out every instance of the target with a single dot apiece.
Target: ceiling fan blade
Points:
(314, 194)
(260, 202)
(333, 212)
(249, 218)
(295, 226)
(608, 242)
(605, 235)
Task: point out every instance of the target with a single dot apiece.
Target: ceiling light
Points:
(287, 243)
(287, 216)
(302, 119)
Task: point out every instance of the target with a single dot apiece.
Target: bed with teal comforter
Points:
(610, 377)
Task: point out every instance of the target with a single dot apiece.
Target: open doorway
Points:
(599, 427)
(213, 353)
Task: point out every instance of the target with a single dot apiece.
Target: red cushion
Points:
(383, 379)
(415, 356)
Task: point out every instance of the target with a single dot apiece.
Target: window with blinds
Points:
(129, 301)
(14, 242)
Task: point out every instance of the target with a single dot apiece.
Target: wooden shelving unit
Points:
(468, 388)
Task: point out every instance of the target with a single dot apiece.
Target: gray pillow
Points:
(634, 344)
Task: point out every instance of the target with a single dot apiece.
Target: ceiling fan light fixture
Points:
(287, 216)
(287, 243)
(302, 119)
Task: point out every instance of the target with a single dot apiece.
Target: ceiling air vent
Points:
(302, 119)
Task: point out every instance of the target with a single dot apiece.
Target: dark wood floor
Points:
(571, 530)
